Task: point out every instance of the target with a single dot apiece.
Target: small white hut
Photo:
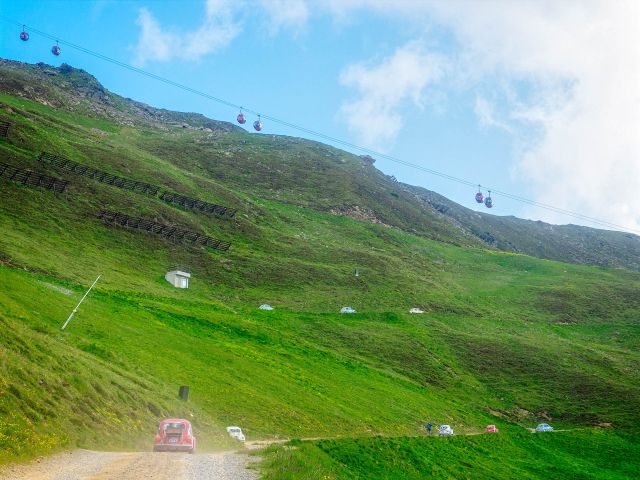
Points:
(178, 277)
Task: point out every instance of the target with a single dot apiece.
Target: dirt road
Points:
(89, 465)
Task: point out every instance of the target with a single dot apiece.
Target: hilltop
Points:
(507, 338)
(313, 175)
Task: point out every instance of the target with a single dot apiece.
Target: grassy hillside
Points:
(571, 243)
(292, 170)
(507, 338)
(578, 454)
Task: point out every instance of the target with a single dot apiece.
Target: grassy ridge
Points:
(579, 454)
(286, 169)
(506, 339)
(60, 390)
(280, 373)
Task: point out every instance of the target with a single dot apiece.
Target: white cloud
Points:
(563, 78)
(383, 89)
(485, 111)
(219, 27)
(579, 120)
(217, 30)
(582, 60)
(290, 14)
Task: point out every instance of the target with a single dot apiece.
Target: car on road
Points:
(174, 435)
(491, 429)
(544, 427)
(236, 432)
(445, 431)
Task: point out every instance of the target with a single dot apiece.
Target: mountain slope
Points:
(506, 338)
(582, 453)
(569, 243)
(291, 170)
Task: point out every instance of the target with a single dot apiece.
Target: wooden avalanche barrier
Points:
(4, 129)
(32, 179)
(195, 204)
(120, 219)
(64, 164)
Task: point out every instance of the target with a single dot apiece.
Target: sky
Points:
(539, 99)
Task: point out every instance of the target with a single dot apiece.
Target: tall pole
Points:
(82, 300)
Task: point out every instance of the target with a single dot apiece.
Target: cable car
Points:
(488, 201)
(241, 118)
(24, 36)
(479, 196)
(56, 49)
(257, 124)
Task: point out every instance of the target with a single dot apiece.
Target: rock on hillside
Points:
(74, 89)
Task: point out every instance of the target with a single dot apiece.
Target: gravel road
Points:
(89, 465)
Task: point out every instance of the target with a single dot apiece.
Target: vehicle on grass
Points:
(347, 310)
(491, 429)
(236, 432)
(544, 427)
(174, 435)
(445, 431)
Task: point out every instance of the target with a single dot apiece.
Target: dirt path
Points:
(89, 465)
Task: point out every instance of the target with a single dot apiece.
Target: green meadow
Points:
(505, 339)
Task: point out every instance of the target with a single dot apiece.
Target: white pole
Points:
(82, 300)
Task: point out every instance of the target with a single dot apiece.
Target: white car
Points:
(445, 430)
(265, 306)
(347, 310)
(544, 427)
(236, 432)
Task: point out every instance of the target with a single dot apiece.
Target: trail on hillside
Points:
(90, 465)
(260, 444)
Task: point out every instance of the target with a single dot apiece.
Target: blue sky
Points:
(525, 97)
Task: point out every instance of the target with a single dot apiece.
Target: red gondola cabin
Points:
(488, 201)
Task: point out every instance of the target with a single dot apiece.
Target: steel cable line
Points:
(321, 135)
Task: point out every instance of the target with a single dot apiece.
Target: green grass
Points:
(578, 454)
(507, 339)
(287, 373)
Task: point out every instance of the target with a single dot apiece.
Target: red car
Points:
(174, 435)
(491, 429)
